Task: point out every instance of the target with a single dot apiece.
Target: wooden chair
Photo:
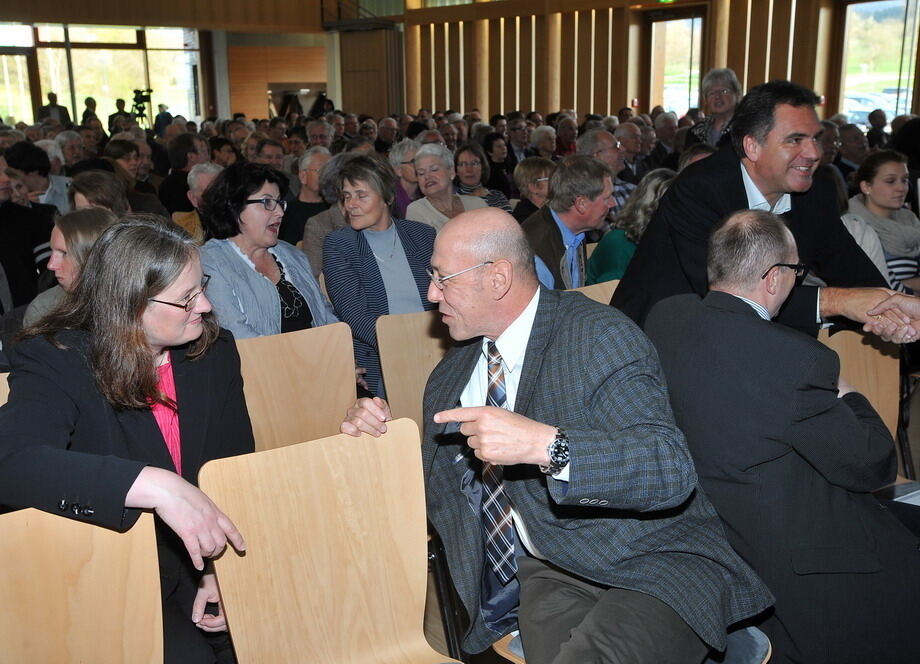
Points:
(298, 385)
(75, 592)
(601, 292)
(873, 367)
(4, 388)
(336, 559)
(410, 345)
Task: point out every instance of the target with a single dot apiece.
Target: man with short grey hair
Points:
(199, 178)
(320, 132)
(630, 137)
(387, 131)
(580, 195)
(601, 144)
(309, 201)
(789, 454)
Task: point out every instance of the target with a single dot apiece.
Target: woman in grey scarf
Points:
(883, 182)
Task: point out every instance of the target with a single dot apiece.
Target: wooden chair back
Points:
(298, 385)
(873, 367)
(410, 345)
(336, 555)
(601, 292)
(75, 592)
(4, 388)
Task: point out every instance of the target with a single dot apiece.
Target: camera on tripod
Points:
(142, 96)
(139, 110)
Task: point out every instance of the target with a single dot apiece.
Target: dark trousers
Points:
(567, 620)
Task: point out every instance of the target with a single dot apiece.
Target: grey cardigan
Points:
(246, 302)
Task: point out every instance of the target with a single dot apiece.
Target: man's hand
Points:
(855, 304)
(907, 309)
(208, 593)
(367, 416)
(500, 436)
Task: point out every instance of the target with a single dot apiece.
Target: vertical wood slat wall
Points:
(512, 53)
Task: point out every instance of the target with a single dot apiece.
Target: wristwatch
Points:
(558, 452)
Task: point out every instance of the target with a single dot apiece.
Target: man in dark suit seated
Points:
(561, 488)
(770, 165)
(788, 454)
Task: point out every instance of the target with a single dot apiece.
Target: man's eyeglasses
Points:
(190, 301)
(800, 269)
(270, 204)
(439, 281)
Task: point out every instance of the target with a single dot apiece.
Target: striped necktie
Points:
(496, 508)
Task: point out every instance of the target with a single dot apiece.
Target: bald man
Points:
(560, 486)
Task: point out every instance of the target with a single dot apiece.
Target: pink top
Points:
(167, 418)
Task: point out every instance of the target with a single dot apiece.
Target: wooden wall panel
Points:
(526, 50)
(496, 73)
(252, 68)
(569, 60)
(455, 68)
(602, 61)
(781, 40)
(509, 100)
(427, 98)
(739, 27)
(439, 63)
(241, 15)
(583, 84)
(371, 71)
(759, 42)
(413, 67)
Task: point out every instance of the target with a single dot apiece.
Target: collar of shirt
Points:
(512, 344)
(756, 306)
(569, 239)
(851, 164)
(756, 200)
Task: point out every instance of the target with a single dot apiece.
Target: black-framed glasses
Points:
(439, 281)
(190, 301)
(270, 204)
(800, 269)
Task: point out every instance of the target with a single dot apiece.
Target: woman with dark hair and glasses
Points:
(375, 265)
(261, 285)
(472, 170)
(117, 398)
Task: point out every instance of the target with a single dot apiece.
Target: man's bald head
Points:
(744, 246)
(490, 234)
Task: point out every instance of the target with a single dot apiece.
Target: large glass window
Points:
(107, 75)
(15, 100)
(676, 46)
(53, 76)
(880, 55)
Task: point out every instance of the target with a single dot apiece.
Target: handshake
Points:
(894, 318)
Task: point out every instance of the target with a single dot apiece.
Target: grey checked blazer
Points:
(632, 514)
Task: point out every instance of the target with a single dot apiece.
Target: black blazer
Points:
(64, 449)
(671, 256)
(789, 467)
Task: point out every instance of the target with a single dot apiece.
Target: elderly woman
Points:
(566, 133)
(401, 158)
(532, 179)
(472, 170)
(434, 167)
(721, 93)
(92, 429)
(72, 237)
(616, 248)
(377, 264)
(543, 140)
(496, 149)
(260, 285)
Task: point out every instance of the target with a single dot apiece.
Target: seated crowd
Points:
(610, 505)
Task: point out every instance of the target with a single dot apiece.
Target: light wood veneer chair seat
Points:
(75, 592)
(336, 561)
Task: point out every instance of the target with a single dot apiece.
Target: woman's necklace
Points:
(450, 207)
(392, 249)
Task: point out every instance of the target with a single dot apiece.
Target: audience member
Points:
(536, 458)
(566, 133)
(877, 136)
(543, 142)
(629, 138)
(402, 159)
(448, 136)
(696, 152)
(518, 143)
(387, 132)
(99, 188)
(580, 195)
(35, 167)
(601, 144)
(472, 170)
(907, 142)
(758, 170)
(434, 167)
(260, 285)
(185, 150)
(531, 177)
(664, 155)
(853, 149)
(92, 418)
(790, 463)
(616, 248)
(54, 111)
(722, 92)
(72, 237)
(89, 113)
(375, 265)
(119, 114)
(71, 145)
(199, 179)
(309, 201)
(222, 151)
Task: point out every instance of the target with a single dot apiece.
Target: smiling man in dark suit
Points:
(788, 454)
(560, 486)
(770, 165)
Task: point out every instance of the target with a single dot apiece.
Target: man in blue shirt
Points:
(580, 195)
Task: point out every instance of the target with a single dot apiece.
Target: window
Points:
(15, 101)
(675, 63)
(880, 55)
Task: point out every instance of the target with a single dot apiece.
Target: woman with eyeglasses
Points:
(117, 398)
(531, 176)
(472, 170)
(375, 265)
(260, 285)
(722, 93)
(434, 166)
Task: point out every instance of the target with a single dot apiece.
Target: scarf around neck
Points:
(899, 235)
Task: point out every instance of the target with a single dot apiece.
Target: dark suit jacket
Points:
(631, 516)
(173, 192)
(545, 239)
(356, 288)
(671, 257)
(64, 449)
(24, 235)
(788, 466)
